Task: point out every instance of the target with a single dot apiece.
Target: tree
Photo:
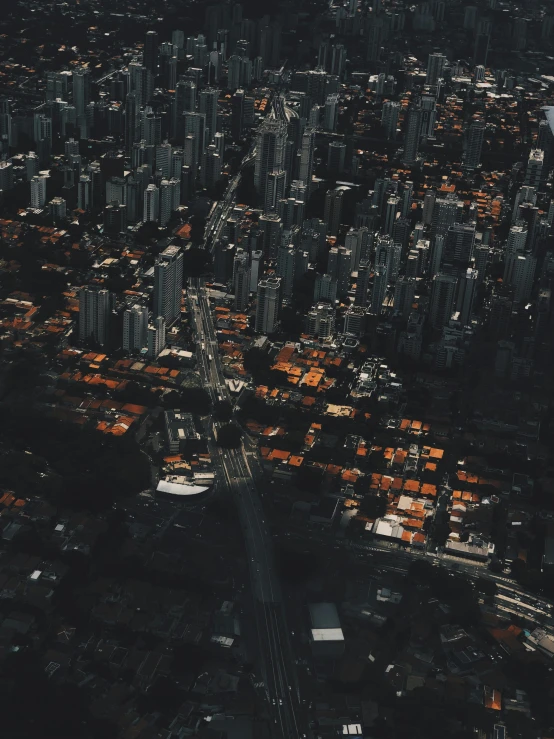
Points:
(309, 479)
(196, 261)
(257, 363)
(229, 436)
(223, 410)
(373, 506)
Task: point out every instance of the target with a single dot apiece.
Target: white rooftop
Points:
(327, 635)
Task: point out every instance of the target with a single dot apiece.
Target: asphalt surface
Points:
(275, 657)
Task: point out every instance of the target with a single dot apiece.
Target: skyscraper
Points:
(38, 192)
(81, 89)
(474, 144)
(325, 288)
(156, 336)
(321, 321)
(339, 265)
(151, 128)
(331, 112)
(210, 171)
(307, 157)
(404, 294)
(442, 299)
(94, 314)
(195, 127)
(481, 49)
(458, 245)
(184, 101)
(428, 116)
(170, 191)
(151, 206)
(336, 156)
(379, 291)
(141, 81)
(465, 297)
(446, 212)
(389, 118)
(135, 327)
(164, 158)
(412, 134)
(428, 206)
(519, 273)
(275, 190)
(268, 305)
(237, 115)
(150, 53)
(533, 172)
(362, 283)
(270, 152)
(241, 279)
(435, 68)
(168, 284)
(131, 119)
(286, 259)
(207, 105)
(333, 210)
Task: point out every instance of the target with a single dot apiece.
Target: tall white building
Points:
(269, 305)
(156, 336)
(151, 208)
(355, 320)
(135, 327)
(321, 321)
(94, 314)
(168, 284)
(164, 159)
(38, 192)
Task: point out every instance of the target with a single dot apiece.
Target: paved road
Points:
(276, 661)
